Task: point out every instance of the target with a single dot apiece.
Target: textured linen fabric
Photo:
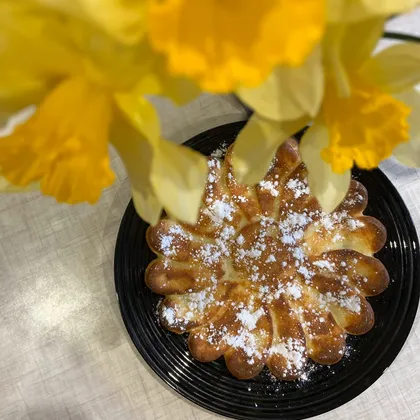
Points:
(64, 352)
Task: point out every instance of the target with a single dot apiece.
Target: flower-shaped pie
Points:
(265, 277)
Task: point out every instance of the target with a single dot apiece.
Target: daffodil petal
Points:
(29, 54)
(257, 144)
(388, 7)
(179, 89)
(49, 40)
(137, 155)
(178, 176)
(145, 73)
(351, 10)
(359, 41)
(17, 92)
(327, 186)
(409, 153)
(8, 120)
(332, 49)
(141, 113)
(347, 46)
(124, 20)
(289, 92)
(396, 68)
(34, 41)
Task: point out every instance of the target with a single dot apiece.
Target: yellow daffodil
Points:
(367, 109)
(358, 10)
(226, 44)
(89, 90)
(123, 19)
(361, 116)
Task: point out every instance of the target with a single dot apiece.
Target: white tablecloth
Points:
(64, 352)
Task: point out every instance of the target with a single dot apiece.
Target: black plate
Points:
(211, 385)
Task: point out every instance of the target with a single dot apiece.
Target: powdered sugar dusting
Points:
(260, 261)
(249, 319)
(271, 187)
(325, 264)
(351, 303)
(220, 151)
(220, 211)
(354, 224)
(295, 291)
(298, 187)
(247, 342)
(294, 351)
(270, 258)
(169, 315)
(169, 241)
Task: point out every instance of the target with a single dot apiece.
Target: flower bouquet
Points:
(82, 72)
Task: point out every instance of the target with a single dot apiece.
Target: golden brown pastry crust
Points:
(265, 277)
